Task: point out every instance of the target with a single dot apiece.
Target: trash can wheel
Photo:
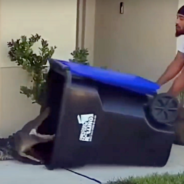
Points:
(163, 109)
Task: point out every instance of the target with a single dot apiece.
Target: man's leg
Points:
(178, 85)
(176, 88)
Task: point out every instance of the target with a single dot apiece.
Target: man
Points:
(177, 65)
(177, 68)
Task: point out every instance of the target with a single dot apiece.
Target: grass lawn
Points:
(153, 179)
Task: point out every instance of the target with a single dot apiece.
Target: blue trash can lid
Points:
(113, 78)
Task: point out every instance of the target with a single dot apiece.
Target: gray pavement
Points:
(16, 173)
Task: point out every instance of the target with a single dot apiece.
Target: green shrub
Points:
(22, 53)
(80, 56)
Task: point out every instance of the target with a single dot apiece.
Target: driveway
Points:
(16, 173)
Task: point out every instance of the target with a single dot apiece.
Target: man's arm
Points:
(173, 69)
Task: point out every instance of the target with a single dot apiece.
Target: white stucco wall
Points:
(180, 3)
(55, 21)
(140, 41)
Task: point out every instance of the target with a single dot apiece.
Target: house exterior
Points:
(139, 41)
(55, 21)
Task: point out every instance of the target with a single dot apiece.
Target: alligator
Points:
(19, 146)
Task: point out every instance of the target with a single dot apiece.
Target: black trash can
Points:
(99, 122)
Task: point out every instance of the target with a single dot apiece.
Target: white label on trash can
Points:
(88, 125)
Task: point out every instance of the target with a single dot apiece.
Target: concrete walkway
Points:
(17, 173)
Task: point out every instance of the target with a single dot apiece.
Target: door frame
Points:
(85, 34)
(81, 20)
